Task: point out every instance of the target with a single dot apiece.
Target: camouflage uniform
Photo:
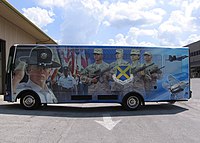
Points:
(117, 87)
(150, 79)
(138, 83)
(102, 85)
(119, 61)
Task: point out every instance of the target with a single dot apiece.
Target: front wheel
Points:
(30, 101)
(131, 102)
(172, 102)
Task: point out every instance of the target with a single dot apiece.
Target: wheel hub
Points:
(132, 102)
(29, 101)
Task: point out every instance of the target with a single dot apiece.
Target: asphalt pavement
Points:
(103, 123)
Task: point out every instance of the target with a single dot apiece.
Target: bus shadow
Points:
(85, 112)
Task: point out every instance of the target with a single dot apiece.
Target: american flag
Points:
(75, 59)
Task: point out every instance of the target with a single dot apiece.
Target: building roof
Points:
(8, 12)
(192, 43)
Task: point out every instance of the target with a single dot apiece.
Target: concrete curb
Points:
(1, 97)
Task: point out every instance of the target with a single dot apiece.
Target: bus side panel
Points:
(80, 78)
(173, 83)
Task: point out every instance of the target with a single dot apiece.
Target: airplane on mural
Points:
(175, 58)
(175, 86)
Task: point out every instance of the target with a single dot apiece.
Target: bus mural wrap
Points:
(130, 75)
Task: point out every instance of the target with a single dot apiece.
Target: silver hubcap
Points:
(132, 102)
(29, 101)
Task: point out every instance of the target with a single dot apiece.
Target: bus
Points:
(129, 75)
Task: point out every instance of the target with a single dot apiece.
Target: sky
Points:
(115, 22)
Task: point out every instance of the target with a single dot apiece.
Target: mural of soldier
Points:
(119, 59)
(38, 66)
(117, 87)
(96, 75)
(67, 84)
(136, 70)
(151, 74)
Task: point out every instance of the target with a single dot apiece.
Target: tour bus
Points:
(38, 75)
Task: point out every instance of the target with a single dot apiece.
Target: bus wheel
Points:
(131, 102)
(172, 102)
(30, 101)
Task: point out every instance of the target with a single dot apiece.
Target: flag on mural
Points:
(75, 59)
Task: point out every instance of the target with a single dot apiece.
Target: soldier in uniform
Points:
(137, 84)
(117, 87)
(119, 59)
(67, 84)
(150, 78)
(97, 83)
(38, 67)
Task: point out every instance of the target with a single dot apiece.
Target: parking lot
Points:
(103, 123)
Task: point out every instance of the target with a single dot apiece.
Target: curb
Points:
(1, 97)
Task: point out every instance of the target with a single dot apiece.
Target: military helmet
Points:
(98, 51)
(119, 51)
(135, 52)
(147, 53)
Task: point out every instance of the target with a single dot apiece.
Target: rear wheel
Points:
(131, 102)
(30, 101)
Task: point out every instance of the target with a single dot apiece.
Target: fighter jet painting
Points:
(176, 87)
(175, 58)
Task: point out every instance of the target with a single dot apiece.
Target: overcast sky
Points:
(115, 22)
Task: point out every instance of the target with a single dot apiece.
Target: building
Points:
(195, 58)
(14, 29)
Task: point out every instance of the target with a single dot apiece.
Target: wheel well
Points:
(28, 91)
(135, 94)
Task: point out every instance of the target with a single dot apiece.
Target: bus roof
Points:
(99, 46)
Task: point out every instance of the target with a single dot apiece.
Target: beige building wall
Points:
(11, 34)
(16, 29)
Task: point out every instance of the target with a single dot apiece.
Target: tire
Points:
(30, 101)
(131, 102)
(171, 102)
